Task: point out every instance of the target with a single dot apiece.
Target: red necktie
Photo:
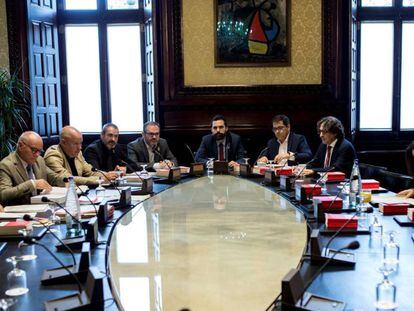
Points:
(328, 156)
(221, 152)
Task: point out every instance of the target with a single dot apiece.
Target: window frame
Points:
(397, 14)
(102, 17)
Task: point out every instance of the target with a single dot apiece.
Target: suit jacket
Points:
(56, 160)
(342, 158)
(15, 185)
(100, 157)
(234, 150)
(138, 153)
(296, 143)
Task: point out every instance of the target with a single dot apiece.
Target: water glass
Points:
(16, 279)
(386, 291)
(391, 254)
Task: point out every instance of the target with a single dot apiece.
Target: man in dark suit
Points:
(286, 145)
(221, 144)
(335, 152)
(151, 150)
(24, 172)
(105, 153)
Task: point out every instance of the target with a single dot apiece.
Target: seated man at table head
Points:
(335, 152)
(105, 153)
(24, 172)
(221, 144)
(151, 150)
(66, 159)
(286, 145)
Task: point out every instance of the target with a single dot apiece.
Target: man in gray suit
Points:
(24, 172)
(151, 150)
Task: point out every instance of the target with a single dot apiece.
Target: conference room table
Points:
(217, 243)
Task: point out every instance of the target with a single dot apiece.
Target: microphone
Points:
(27, 217)
(304, 167)
(191, 152)
(33, 241)
(260, 154)
(47, 200)
(321, 178)
(339, 231)
(155, 150)
(83, 193)
(352, 245)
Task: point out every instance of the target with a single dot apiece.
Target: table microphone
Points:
(352, 245)
(304, 167)
(321, 178)
(191, 152)
(27, 217)
(155, 150)
(83, 193)
(29, 241)
(260, 154)
(107, 178)
(47, 200)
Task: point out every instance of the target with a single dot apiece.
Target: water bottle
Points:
(355, 185)
(72, 206)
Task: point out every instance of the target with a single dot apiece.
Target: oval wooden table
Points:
(213, 243)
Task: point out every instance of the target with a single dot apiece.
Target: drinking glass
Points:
(16, 279)
(144, 173)
(246, 160)
(100, 191)
(386, 291)
(391, 251)
(210, 166)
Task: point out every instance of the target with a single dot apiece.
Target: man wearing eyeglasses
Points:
(221, 144)
(66, 159)
(335, 152)
(150, 150)
(24, 172)
(286, 145)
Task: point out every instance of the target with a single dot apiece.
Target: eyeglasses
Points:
(152, 134)
(279, 128)
(33, 149)
(323, 132)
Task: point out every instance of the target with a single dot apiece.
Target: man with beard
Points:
(151, 150)
(221, 144)
(335, 152)
(105, 153)
(286, 145)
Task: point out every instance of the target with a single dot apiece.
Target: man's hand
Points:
(233, 164)
(1, 209)
(121, 168)
(408, 193)
(308, 172)
(263, 160)
(281, 157)
(112, 175)
(42, 184)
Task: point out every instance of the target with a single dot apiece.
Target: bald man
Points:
(23, 172)
(66, 159)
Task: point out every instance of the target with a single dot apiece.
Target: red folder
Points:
(393, 208)
(336, 221)
(284, 171)
(311, 189)
(326, 201)
(335, 176)
(370, 184)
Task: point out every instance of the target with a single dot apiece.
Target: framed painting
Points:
(252, 33)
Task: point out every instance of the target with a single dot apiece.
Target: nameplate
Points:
(196, 169)
(221, 167)
(174, 174)
(245, 170)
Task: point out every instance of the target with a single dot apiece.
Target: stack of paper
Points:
(28, 208)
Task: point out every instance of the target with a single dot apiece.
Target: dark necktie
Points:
(221, 152)
(30, 173)
(328, 156)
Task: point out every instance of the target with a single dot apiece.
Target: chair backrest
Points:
(395, 182)
(409, 159)
(369, 171)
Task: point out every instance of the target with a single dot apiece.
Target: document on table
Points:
(390, 199)
(28, 208)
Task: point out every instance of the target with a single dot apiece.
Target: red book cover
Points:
(394, 208)
(336, 221)
(370, 184)
(410, 213)
(284, 171)
(326, 201)
(260, 169)
(13, 227)
(335, 176)
(311, 189)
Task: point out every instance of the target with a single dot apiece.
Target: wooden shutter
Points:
(148, 63)
(354, 68)
(43, 58)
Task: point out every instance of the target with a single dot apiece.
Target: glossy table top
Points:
(214, 243)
